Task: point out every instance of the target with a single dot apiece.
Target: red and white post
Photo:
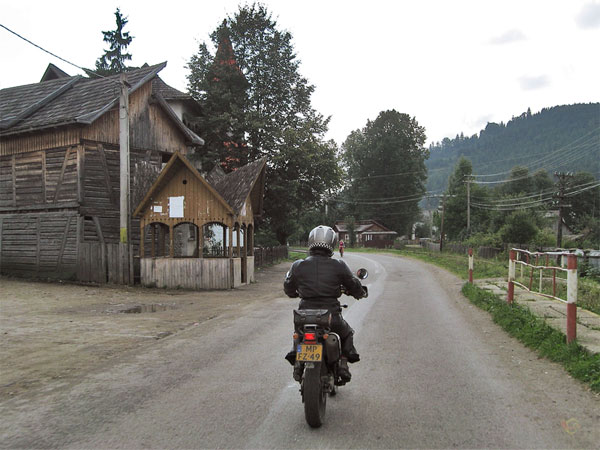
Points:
(571, 298)
(511, 276)
(471, 266)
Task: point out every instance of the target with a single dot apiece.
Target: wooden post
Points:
(171, 241)
(442, 224)
(571, 298)
(124, 174)
(141, 239)
(238, 252)
(153, 237)
(161, 240)
(201, 241)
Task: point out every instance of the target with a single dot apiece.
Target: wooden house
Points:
(59, 168)
(216, 215)
(369, 233)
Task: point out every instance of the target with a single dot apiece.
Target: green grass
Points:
(588, 291)
(535, 333)
(293, 256)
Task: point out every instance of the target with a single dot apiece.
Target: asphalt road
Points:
(435, 373)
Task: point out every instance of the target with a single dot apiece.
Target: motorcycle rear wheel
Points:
(315, 395)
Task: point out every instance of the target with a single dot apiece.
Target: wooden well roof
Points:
(174, 166)
(231, 190)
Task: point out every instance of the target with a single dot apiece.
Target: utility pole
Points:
(124, 244)
(562, 184)
(468, 205)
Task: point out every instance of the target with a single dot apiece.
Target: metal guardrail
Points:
(524, 258)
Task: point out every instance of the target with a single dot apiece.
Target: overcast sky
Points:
(453, 65)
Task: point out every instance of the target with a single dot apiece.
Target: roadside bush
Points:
(484, 240)
(544, 238)
(519, 228)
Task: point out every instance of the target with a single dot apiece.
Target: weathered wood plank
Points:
(14, 180)
(37, 252)
(106, 172)
(59, 261)
(1, 238)
(62, 174)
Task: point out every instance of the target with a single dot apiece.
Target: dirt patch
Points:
(57, 331)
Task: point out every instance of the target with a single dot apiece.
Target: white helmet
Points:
(322, 237)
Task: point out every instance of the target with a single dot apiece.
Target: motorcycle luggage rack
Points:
(320, 317)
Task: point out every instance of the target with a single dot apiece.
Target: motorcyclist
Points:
(317, 280)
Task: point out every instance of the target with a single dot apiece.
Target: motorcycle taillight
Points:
(310, 337)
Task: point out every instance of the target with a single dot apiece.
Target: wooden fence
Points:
(269, 255)
(482, 252)
(107, 263)
(102, 263)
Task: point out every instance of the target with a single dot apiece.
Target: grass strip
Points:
(532, 331)
(453, 262)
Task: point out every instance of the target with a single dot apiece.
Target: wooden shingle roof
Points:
(70, 100)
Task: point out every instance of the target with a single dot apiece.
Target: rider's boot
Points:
(298, 371)
(343, 370)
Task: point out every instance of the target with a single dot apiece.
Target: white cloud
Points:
(508, 37)
(589, 16)
(528, 83)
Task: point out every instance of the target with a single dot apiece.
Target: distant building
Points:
(369, 233)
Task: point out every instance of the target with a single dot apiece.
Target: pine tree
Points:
(113, 60)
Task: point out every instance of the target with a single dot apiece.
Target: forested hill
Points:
(561, 138)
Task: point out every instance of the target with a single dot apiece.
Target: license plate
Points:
(312, 352)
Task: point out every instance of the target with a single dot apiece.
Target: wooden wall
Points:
(40, 244)
(72, 190)
(41, 179)
(60, 187)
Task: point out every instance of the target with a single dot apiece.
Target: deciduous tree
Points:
(386, 167)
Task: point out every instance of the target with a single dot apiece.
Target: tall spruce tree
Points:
(221, 89)
(113, 60)
(279, 121)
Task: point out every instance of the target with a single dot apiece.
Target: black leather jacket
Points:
(317, 280)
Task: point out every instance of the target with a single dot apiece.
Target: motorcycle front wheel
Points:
(315, 395)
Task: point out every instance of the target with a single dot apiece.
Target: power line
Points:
(555, 155)
(87, 71)
(533, 194)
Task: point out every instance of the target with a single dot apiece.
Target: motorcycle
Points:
(318, 352)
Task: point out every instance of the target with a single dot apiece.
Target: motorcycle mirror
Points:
(362, 273)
